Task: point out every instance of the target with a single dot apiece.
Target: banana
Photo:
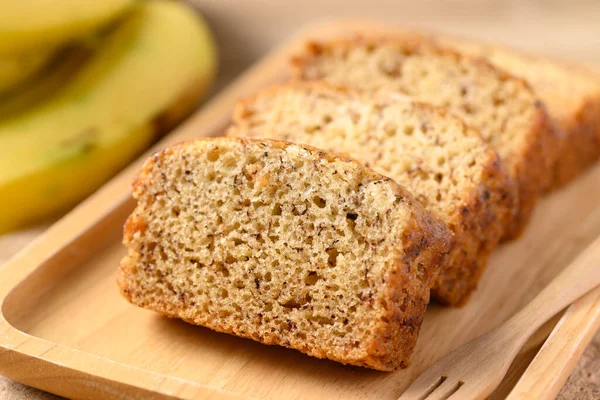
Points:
(31, 25)
(158, 62)
(15, 69)
(47, 82)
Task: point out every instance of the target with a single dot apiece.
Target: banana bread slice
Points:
(504, 109)
(447, 167)
(571, 93)
(283, 244)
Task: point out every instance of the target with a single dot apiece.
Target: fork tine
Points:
(440, 389)
(446, 390)
(419, 390)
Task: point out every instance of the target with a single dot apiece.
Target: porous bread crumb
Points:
(283, 244)
(447, 167)
(570, 92)
(502, 108)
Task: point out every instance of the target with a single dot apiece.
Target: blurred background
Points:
(568, 29)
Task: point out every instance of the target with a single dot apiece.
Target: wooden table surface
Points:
(247, 29)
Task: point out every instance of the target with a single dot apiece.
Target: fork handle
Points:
(581, 276)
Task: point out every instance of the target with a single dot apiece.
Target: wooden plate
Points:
(64, 327)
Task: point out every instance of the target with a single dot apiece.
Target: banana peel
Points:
(33, 25)
(16, 69)
(157, 62)
(48, 82)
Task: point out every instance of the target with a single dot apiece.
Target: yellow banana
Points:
(30, 25)
(15, 69)
(157, 62)
(46, 83)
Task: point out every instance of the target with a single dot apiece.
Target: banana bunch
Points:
(75, 110)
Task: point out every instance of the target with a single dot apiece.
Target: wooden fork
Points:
(475, 369)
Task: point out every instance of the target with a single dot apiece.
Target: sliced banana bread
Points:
(504, 109)
(571, 93)
(448, 167)
(283, 244)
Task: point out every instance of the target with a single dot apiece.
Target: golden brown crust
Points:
(484, 214)
(407, 303)
(481, 224)
(424, 249)
(579, 146)
(532, 172)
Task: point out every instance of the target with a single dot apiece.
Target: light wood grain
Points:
(552, 365)
(65, 329)
(475, 369)
(568, 29)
